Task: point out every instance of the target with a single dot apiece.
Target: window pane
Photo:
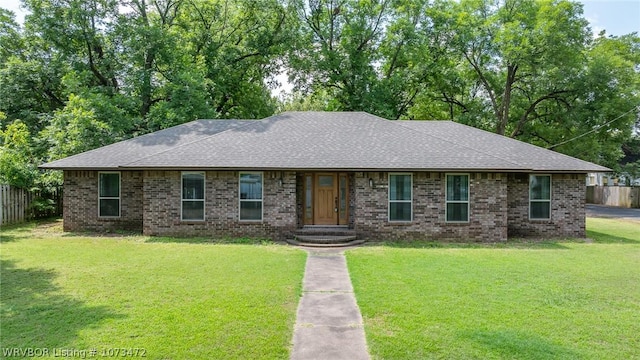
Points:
(343, 196)
(400, 211)
(324, 180)
(251, 210)
(109, 185)
(308, 198)
(193, 210)
(457, 212)
(540, 187)
(400, 187)
(251, 186)
(540, 210)
(457, 187)
(109, 207)
(193, 186)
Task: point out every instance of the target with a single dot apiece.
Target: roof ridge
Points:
(249, 123)
(460, 144)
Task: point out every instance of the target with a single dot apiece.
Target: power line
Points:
(637, 108)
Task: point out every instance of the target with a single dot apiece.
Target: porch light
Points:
(280, 182)
(371, 183)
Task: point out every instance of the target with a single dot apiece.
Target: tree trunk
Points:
(503, 116)
(146, 83)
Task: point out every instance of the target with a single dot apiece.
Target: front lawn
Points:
(172, 299)
(562, 300)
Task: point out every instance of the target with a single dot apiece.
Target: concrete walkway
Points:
(328, 324)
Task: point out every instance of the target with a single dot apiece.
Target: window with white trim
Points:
(457, 198)
(192, 196)
(400, 197)
(251, 196)
(109, 194)
(540, 197)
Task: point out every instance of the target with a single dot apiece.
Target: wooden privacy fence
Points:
(622, 196)
(18, 205)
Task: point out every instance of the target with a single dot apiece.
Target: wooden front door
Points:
(326, 198)
(325, 209)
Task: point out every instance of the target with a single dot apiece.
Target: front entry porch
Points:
(326, 198)
(325, 236)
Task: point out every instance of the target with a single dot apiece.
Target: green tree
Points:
(84, 73)
(237, 44)
(16, 167)
(79, 32)
(373, 56)
(29, 76)
(604, 109)
(11, 41)
(530, 69)
(515, 56)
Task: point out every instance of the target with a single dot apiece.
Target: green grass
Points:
(175, 299)
(190, 298)
(563, 300)
(613, 231)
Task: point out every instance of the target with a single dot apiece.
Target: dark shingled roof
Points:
(119, 154)
(325, 140)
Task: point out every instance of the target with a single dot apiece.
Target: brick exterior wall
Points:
(567, 207)
(150, 202)
(162, 191)
(80, 202)
(487, 216)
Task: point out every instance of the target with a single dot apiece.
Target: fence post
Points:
(635, 197)
(15, 204)
(2, 191)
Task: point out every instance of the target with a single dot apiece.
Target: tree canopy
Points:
(79, 74)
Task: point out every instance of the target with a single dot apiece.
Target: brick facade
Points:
(80, 202)
(162, 194)
(567, 207)
(487, 205)
(151, 203)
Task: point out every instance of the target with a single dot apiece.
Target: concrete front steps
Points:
(325, 236)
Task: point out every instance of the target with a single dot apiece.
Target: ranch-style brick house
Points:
(378, 178)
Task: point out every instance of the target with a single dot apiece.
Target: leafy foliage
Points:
(78, 74)
(82, 74)
(15, 167)
(531, 70)
(365, 55)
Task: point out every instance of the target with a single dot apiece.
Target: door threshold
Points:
(325, 226)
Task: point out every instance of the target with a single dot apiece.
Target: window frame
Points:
(240, 200)
(389, 201)
(447, 201)
(204, 195)
(540, 200)
(119, 197)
